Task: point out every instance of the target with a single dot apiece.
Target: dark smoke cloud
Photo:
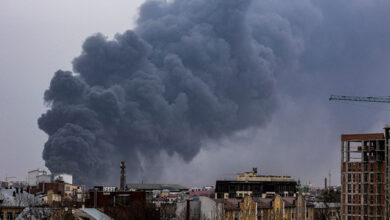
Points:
(189, 72)
(322, 48)
(195, 72)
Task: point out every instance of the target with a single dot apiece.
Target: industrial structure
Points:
(123, 176)
(364, 176)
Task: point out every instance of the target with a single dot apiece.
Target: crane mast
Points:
(382, 99)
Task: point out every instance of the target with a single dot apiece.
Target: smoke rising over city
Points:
(195, 72)
(190, 71)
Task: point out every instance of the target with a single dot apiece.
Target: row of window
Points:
(368, 210)
(367, 188)
(366, 199)
(366, 178)
(8, 215)
(366, 166)
(365, 218)
(262, 214)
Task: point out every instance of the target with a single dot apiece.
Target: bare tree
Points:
(329, 203)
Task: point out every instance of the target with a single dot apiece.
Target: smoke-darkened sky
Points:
(197, 90)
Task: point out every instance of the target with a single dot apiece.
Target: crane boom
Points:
(383, 99)
(9, 177)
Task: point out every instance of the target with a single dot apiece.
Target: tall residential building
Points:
(364, 176)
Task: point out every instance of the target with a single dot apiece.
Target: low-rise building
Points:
(63, 177)
(103, 197)
(329, 211)
(33, 175)
(252, 184)
(204, 191)
(276, 208)
(158, 190)
(54, 189)
(4, 185)
(14, 200)
(121, 204)
(44, 178)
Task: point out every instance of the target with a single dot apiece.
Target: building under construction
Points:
(364, 176)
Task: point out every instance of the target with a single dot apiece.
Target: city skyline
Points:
(334, 53)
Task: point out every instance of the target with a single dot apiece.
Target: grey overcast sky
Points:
(38, 37)
(338, 47)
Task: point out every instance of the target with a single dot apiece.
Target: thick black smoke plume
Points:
(191, 70)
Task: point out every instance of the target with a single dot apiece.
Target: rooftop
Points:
(91, 212)
(170, 187)
(253, 176)
(362, 137)
(16, 198)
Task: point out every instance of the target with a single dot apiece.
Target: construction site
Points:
(364, 176)
(364, 170)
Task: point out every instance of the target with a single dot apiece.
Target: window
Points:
(67, 188)
(9, 216)
(123, 199)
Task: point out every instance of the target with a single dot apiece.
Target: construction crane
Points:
(9, 177)
(382, 99)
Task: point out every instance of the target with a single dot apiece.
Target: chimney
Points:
(95, 195)
(326, 183)
(188, 214)
(123, 176)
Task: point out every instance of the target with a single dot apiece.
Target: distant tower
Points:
(123, 176)
(326, 183)
(330, 176)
